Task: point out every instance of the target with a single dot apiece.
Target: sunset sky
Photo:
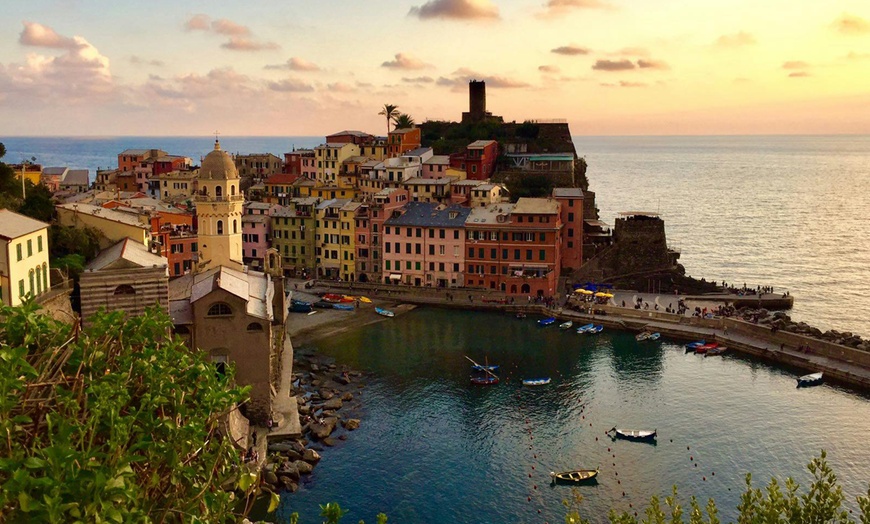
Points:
(268, 67)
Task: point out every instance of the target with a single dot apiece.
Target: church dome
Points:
(218, 165)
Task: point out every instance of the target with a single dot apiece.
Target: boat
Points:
(323, 304)
(813, 379)
(716, 351)
(484, 380)
(343, 307)
(478, 367)
(536, 381)
(384, 312)
(546, 321)
(332, 297)
(299, 306)
(577, 476)
(566, 325)
(365, 300)
(640, 337)
(484, 376)
(584, 329)
(634, 434)
(595, 330)
(521, 315)
(700, 350)
(655, 336)
(692, 345)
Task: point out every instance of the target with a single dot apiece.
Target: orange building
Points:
(571, 204)
(403, 140)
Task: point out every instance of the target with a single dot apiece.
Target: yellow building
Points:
(114, 226)
(330, 192)
(347, 224)
(330, 158)
(32, 172)
(23, 257)
(174, 185)
(328, 238)
(219, 204)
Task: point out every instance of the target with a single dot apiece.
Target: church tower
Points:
(219, 212)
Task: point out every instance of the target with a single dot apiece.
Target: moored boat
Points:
(521, 315)
(343, 307)
(813, 379)
(566, 325)
(484, 380)
(655, 336)
(384, 312)
(299, 306)
(700, 350)
(576, 476)
(634, 434)
(546, 321)
(643, 335)
(490, 367)
(584, 329)
(595, 330)
(716, 351)
(693, 345)
(536, 381)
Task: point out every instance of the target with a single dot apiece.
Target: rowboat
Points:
(484, 375)
(384, 312)
(536, 381)
(566, 325)
(478, 367)
(546, 321)
(634, 434)
(655, 336)
(595, 330)
(484, 380)
(343, 307)
(693, 345)
(584, 329)
(706, 347)
(813, 379)
(332, 297)
(575, 477)
(640, 337)
(299, 306)
(716, 351)
(365, 300)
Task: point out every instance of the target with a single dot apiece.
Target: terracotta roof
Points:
(281, 178)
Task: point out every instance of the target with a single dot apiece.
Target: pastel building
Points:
(423, 245)
(293, 236)
(347, 252)
(515, 248)
(400, 141)
(571, 205)
(369, 223)
(219, 211)
(330, 158)
(23, 257)
(256, 230)
(328, 223)
(300, 162)
(113, 225)
(258, 165)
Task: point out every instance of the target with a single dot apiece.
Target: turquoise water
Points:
(434, 449)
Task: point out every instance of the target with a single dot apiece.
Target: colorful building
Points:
(113, 225)
(400, 141)
(369, 223)
(219, 211)
(256, 231)
(423, 245)
(347, 253)
(328, 238)
(294, 236)
(300, 162)
(23, 258)
(330, 158)
(258, 165)
(478, 161)
(571, 204)
(279, 188)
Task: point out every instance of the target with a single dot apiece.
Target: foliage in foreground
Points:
(115, 424)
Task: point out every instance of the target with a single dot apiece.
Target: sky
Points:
(291, 68)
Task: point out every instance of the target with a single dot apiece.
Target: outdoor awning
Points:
(395, 276)
(596, 223)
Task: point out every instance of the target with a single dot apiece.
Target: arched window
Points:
(31, 283)
(218, 191)
(220, 228)
(38, 280)
(45, 276)
(513, 289)
(235, 226)
(219, 310)
(526, 288)
(232, 190)
(125, 289)
(255, 327)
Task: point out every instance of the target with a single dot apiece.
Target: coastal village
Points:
(479, 213)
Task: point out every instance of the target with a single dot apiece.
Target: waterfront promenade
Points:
(839, 363)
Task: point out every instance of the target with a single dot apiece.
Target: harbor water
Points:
(432, 448)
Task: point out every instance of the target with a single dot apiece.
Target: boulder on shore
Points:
(310, 456)
(351, 424)
(323, 428)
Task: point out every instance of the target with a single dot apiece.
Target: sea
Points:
(781, 211)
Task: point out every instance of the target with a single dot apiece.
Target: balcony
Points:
(223, 198)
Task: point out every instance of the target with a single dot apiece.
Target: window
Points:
(387, 265)
(21, 288)
(431, 233)
(516, 254)
(471, 252)
(45, 276)
(493, 253)
(417, 266)
(418, 249)
(570, 232)
(456, 234)
(504, 254)
(18, 252)
(528, 254)
(570, 203)
(570, 217)
(124, 289)
(218, 191)
(440, 233)
(235, 226)
(542, 254)
(31, 282)
(408, 264)
(431, 249)
(38, 280)
(193, 247)
(219, 310)
(386, 247)
(543, 237)
(520, 219)
(492, 269)
(408, 248)
(39, 244)
(255, 327)
(441, 250)
(220, 227)
(480, 252)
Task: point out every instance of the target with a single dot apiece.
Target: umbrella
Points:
(600, 294)
(584, 291)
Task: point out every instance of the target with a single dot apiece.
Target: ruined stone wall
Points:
(639, 245)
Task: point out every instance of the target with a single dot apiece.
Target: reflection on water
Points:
(432, 448)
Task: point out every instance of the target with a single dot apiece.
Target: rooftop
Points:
(76, 177)
(254, 288)
(490, 214)
(13, 225)
(418, 181)
(429, 214)
(567, 192)
(536, 206)
(126, 254)
(281, 178)
(107, 214)
(480, 144)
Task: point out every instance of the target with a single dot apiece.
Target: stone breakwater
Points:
(328, 400)
(780, 321)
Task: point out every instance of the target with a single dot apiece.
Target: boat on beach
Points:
(566, 325)
(694, 345)
(577, 476)
(299, 306)
(536, 381)
(343, 307)
(700, 350)
(634, 434)
(716, 351)
(655, 336)
(813, 379)
(546, 321)
(584, 329)
(384, 312)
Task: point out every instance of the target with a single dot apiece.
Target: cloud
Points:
(290, 85)
(404, 61)
(461, 77)
(548, 69)
(613, 65)
(857, 56)
(570, 50)
(652, 64)
(238, 43)
(419, 80)
(626, 84)
(295, 64)
(340, 87)
(38, 35)
(198, 22)
(229, 28)
(560, 7)
(137, 60)
(795, 64)
(851, 25)
(736, 40)
(631, 51)
(799, 74)
(456, 9)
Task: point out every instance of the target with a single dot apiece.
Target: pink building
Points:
(424, 245)
(256, 232)
(571, 202)
(369, 231)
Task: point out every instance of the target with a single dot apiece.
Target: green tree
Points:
(65, 240)
(38, 203)
(390, 112)
(118, 423)
(403, 121)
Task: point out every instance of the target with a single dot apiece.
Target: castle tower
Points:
(219, 212)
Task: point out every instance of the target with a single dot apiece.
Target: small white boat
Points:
(654, 336)
(813, 379)
(384, 312)
(634, 434)
(640, 337)
(584, 329)
(595, 330)
(536, 381)
(566, 325)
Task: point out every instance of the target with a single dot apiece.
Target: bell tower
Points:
(219, 204)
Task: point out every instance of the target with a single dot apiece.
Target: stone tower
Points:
(219, 212)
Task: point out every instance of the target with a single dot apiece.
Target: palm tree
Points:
(403, 121)
(390, 112)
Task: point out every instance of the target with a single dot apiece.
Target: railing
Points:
(222, 198)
